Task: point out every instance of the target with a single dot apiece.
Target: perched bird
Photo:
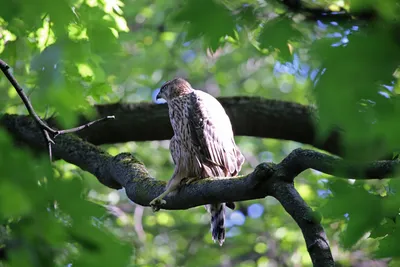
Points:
(202, 145)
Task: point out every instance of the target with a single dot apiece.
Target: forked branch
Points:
(268, 179)
(48, 133)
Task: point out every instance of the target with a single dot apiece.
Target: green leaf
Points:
(20, 204)
(206, 18)
(385, 228)
(388, 246)
(355, 104)
(99, 248)
(387, 9)
(359, 219)
(248, 16)
(277, 33)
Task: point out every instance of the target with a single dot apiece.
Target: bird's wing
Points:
(211, 134)
(174, 149)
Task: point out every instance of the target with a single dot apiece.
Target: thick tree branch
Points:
(269, 119)
(125, 171)
(300, 160)
(314, 235)
(144, 121)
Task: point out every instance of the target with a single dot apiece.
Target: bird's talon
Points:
(156, 203)
(190, 180)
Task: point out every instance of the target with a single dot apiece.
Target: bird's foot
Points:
(190, 180)
(156, 203)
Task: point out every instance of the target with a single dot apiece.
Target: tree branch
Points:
(47, 132)
(269, 119)
(84, 126)
(300, 160)
(144, 121)
(6, 70)
(322, 13)
(309, 223)
(276, 180)
(124, 170)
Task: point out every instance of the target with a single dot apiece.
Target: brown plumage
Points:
(203, 145)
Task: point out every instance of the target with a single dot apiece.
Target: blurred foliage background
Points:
(72, 54)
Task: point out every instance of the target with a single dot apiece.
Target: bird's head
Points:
(174, 88)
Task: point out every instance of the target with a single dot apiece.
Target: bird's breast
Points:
(178, 115)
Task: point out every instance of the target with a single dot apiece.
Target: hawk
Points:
(202, 146)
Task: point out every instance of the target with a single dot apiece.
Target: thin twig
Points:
(6, 70)
(84, 126)
(49, 142)
(48, 133)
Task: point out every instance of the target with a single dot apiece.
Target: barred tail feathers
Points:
(217, 212)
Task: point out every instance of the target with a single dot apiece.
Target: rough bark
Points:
(268, 179)
(250, 116)
(123, 170)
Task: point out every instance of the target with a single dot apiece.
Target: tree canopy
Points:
(311, 88)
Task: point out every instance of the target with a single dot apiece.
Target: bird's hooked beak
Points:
(159, 95)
